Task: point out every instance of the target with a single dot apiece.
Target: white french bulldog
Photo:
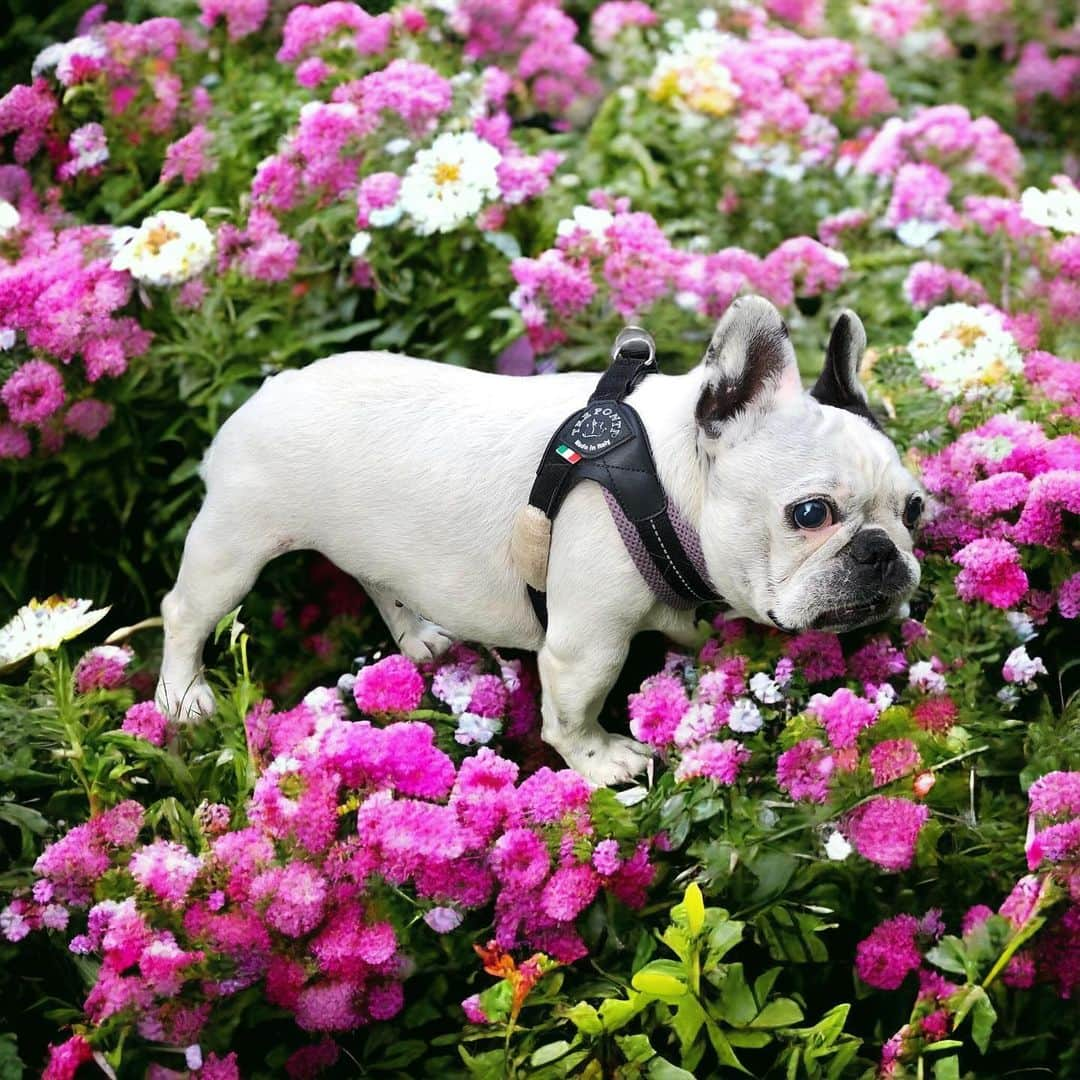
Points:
(409, 474)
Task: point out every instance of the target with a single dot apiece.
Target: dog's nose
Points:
(871, 547)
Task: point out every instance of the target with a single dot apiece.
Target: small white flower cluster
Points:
(690, 76)
(9, 218)
(922, 676)
(449, 182)
(588, 219)
(1021, 669)
(960, 347)
(1058, 208)
(168, 248)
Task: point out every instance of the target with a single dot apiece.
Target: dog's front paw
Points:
(605, 759)
(423, 640)
(195, 702)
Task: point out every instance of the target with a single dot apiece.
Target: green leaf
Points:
(585, 1018)
(544, 1055)
(779, 1013)
(617, 1012)
(661, 1069)
(949, 954)
(947, 1068)
(662, 979)
(983, 1016)
(737, 1004)
(688, 1020)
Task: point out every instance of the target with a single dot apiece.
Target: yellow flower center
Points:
(157, 238)
(446, 172)
(966, 333)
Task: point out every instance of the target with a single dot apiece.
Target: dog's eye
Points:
(913, 511)
(812, 514)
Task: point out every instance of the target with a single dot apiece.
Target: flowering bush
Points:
(855, 856)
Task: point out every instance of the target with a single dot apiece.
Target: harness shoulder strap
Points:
(606, 442)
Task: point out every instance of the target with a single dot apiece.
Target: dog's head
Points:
(808, 513)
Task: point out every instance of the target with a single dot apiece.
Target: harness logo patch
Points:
(598, 428)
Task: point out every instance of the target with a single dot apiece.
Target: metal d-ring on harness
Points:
(606, 442)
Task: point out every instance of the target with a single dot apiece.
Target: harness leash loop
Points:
(606, 442)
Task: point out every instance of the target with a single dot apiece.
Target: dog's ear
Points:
(749, 365)
(838, 384)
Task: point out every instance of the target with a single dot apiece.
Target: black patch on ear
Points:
(835, 385)
(766, 354)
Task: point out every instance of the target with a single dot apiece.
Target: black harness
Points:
(606, 442)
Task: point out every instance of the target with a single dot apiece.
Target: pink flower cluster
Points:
(1003, 484)
(290, 899)
(63, 300)
(948, 138)
(534, 40)
(624, 259)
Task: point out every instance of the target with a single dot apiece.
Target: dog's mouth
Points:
(852, 616)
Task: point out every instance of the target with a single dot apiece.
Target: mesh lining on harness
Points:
(606, 442)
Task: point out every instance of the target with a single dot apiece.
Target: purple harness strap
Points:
(688, 537)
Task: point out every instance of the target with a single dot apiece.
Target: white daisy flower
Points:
(588, 219)
(168, 248)
(44, 625)
(959, 347)
(448, 183)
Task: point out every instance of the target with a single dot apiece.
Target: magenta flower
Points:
(804, 770)
(146, 721)
(390, 685)
(893, 758)
(884, 959)
(166, 869)
(33, 393)
(656, 710)
(843, 715)
(991, 572)
(885, 829)
(718, 761)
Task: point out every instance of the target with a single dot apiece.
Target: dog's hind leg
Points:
(222, 558)
(418, 638)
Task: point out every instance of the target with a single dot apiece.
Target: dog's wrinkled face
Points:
(808, 514)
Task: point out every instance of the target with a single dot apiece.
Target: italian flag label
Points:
(570, 455)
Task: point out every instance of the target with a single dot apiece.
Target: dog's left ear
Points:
(750, 365)
(838, 384)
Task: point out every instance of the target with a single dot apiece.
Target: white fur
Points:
(409, 475)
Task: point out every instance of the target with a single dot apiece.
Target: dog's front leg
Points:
(575, 676)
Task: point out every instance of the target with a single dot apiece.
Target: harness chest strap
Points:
(606, 442)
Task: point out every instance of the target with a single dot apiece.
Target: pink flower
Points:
(33, 392)
(893, 758)
(804, 770)
(885, 829)
(102, 668)
(187, 157)
(308, 27)
(310, 1061)
(474, 1011)
(843, 715)
(243, 17)
(520, 858)
(884, 959)
(719, 761)
(656, 710)
(14, 442)
(295, 897)
(935, 714)
(390, 685)
(490, 697)
(88, 418)
(818, 654)
(145, 722)
(166, 869)
(569, 891)
(66, 1059)
(378, 191)
(614, 16)
(1055, 793)
(991, 572)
